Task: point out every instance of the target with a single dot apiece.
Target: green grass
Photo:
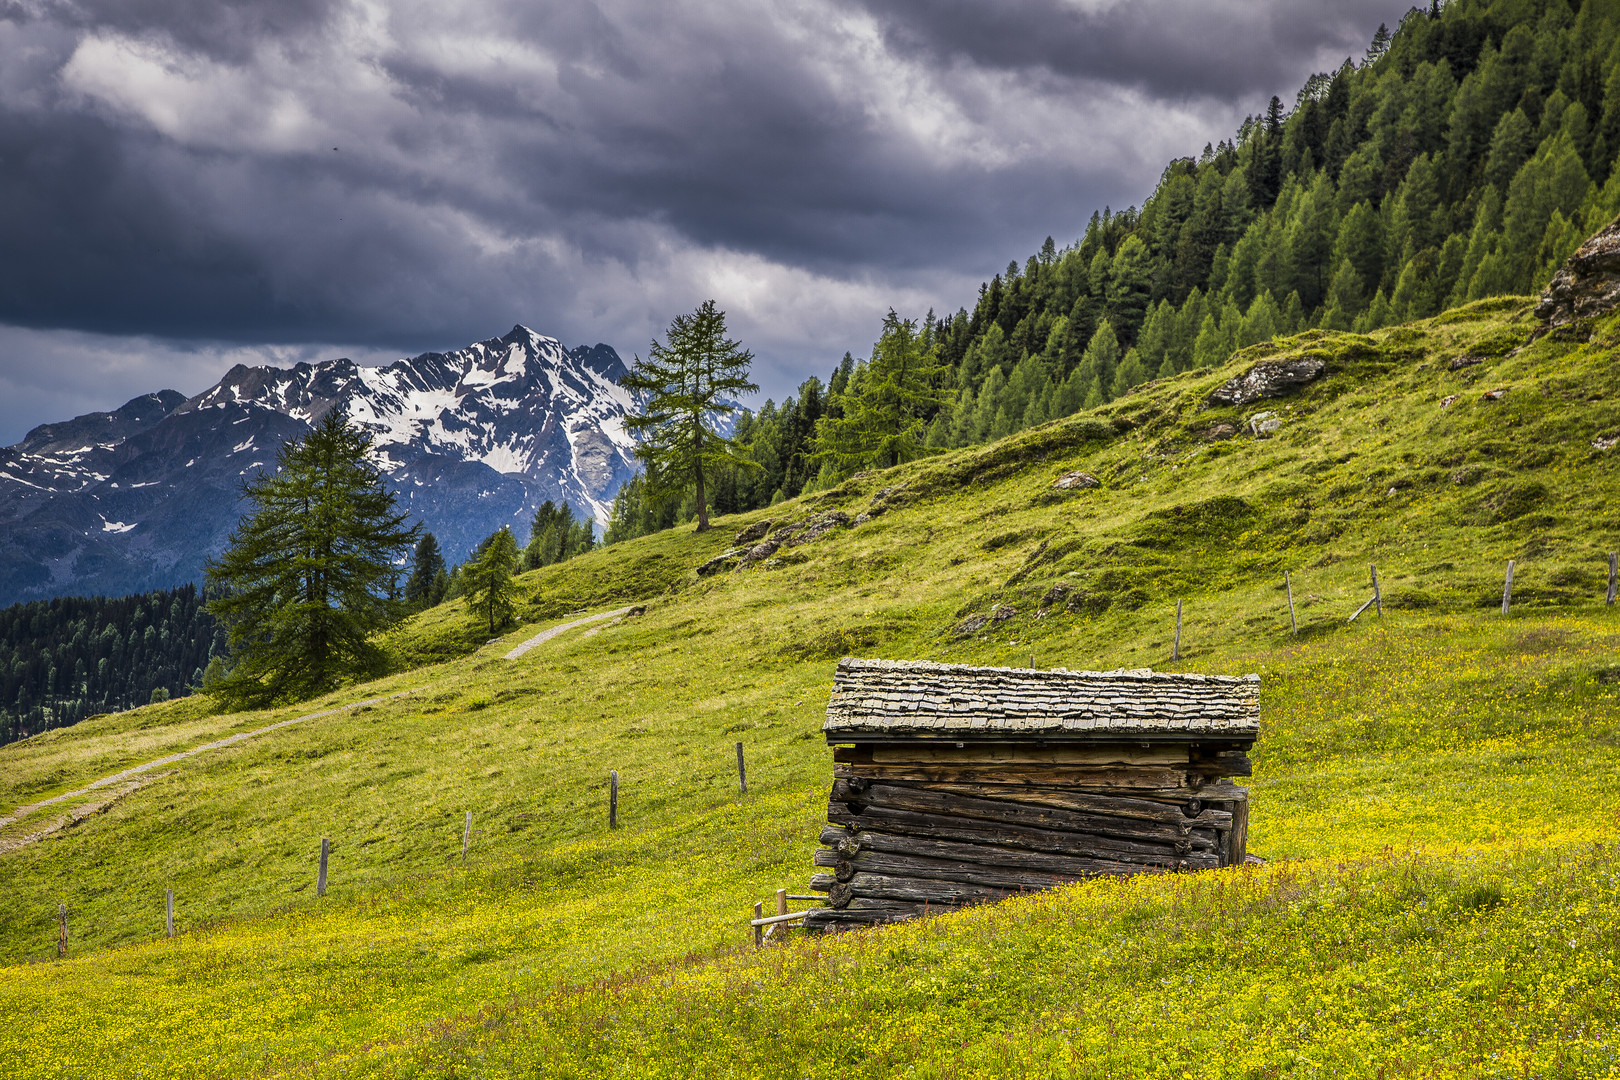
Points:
(1475, 755)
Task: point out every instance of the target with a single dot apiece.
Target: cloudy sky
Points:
(186, 184)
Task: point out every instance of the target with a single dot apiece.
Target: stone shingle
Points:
(908, 697)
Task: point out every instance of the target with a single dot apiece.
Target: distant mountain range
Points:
(137, 498)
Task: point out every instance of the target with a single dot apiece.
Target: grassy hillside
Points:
(1431, 787)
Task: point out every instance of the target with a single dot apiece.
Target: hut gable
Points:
(876, 700)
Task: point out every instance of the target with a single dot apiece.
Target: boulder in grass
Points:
(970, 625)
(817, 527)
(761, 551)
(726, 560)
(1268, 379)
(754, 532)
(1588, 284)
(1003, 612)
(1075, 481)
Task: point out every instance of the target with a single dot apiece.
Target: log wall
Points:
(916, 827)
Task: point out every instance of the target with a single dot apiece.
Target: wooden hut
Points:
(956, 785)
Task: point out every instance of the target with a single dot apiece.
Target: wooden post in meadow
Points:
(742, 773)
(320, 878)
(781, 901)
(613, 799)
(1378, 596)
(168, 912)
(1292, 619)
(759, 931)
(1507, 588)
(1614, 577)
(466, 836)
(1175, 649)
(61, 931)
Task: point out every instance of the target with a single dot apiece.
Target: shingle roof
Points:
(918, 698)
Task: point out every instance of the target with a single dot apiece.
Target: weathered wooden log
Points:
(822, 882)
(972, 831)
(914, 890)
(1112, 805)
(832, 835)
(839, 813)
(1107, 779)
(1223, 763)
(1074, 865)
(863, 912)
(922, 800)
(919, 752)
(980, 873)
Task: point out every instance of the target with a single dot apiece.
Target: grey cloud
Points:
(1169, 48)
(588, 168)
(224, 31)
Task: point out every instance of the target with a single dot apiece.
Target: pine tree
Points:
(1101, 356)
(489, 580)
(307, 578)
(1130, 374)
(689, 383)
(886, 417)
(1345, 298)
(426, 565)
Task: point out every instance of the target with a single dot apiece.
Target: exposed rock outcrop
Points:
(1586, 286)
(1075, 481)
(752, 533)
(1268, 379)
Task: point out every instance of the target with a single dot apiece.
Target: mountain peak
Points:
(472, 440)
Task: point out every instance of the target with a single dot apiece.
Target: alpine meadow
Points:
(1337, 406)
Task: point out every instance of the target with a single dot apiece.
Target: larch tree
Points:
(690, 383)
(889, 404)
(309, 576)
(489, 580)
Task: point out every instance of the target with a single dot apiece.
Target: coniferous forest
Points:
(1465, 155)
(64, 659)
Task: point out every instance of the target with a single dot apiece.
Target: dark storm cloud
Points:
(1228, 49)
(224, 31)
(416, 175)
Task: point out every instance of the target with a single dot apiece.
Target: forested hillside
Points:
(1465, 155)
(62, 660)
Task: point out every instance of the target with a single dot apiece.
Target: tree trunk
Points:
(702, 504)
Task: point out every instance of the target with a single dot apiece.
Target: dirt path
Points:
(135, 771)
(546, 635)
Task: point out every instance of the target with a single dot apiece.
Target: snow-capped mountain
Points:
(138, 498)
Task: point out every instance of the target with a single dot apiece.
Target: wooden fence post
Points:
(759, 931)
(613, 799)
(61, 931)
(466, 836)
(168, 911)
(1292, 619)
(742, 773)
(320, 879)
(1175, 650)
(781, 901)
(1507, 588)
(1378, 596)
(1614, 576)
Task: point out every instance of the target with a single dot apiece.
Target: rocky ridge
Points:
(139, 497)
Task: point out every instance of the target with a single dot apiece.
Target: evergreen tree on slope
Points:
(308, 576)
